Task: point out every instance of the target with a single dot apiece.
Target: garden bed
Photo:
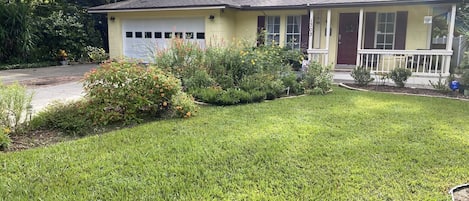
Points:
(406, 90)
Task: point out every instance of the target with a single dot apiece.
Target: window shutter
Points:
(304, 32)
(370, 26)
(260, 30)
(401, 30)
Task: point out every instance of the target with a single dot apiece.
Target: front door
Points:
(348, 38)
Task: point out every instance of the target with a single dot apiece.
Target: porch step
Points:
(343, 69)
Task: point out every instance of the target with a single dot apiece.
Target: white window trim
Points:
(393, 34)
(299, 32)
(267, 41)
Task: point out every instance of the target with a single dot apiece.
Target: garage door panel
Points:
(144, 37)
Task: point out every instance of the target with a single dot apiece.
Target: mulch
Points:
(407, 90)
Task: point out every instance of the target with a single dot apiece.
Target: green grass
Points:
(344, 146)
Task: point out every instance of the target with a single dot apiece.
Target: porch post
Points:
(360, 33)
(328, 35)
(311, 33)
(449, 39)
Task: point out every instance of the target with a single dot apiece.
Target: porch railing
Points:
(420, 62)
(318, 55)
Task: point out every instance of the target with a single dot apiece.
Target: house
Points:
(377, 34)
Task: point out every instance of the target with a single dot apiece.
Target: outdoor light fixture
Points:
(211, 17)
(112, 18)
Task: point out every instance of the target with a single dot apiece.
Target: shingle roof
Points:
(250, 4)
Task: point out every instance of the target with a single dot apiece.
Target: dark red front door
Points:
(348, 38)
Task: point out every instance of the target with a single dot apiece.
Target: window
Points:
(273, 30)
(200, 35)
(189, 35)
(138, 34)
(293, 34)
(158, 35)
(147, 34)
(178, 34)
(128, 34)
(385, 28)
(168, 34)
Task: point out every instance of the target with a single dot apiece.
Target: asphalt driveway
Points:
(49, 84)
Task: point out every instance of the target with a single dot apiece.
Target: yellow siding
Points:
(231, 24)
(215, 29)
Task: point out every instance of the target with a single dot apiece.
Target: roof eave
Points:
(158, 9)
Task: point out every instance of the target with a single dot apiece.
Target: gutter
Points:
(299, 6)
(155, 9)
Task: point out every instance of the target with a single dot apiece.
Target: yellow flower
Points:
(6, 130)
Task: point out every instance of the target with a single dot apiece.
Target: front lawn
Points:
(344, 146)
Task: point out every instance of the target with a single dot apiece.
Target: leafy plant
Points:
(200, 79)
(362, 76)
(400, 76)
(14, 103)
(4, 138)
(70, 118)
(441, 84)
(95, 54)
(122, 91)
(183, 105)
(317, 79)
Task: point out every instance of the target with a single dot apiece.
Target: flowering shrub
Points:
(62, 55)
(121, 91)
(95, 54)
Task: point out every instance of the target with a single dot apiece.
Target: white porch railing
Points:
(420, 62)
(318, 55)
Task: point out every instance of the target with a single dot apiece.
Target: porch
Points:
(421, 60)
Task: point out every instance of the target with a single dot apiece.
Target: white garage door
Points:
(143, 38)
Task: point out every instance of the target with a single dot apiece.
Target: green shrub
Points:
(465, 79)
(201, 79)
(317, 79)
(95, 54)
(14, 103)
(183, 58)
(183, 105)
(400, 76)
(266, 83)
(290, 80)
(207, 95)
(70, 118)
(121, 91)
(362, 76)
(440, 85)
(225, 82)
(5, 140)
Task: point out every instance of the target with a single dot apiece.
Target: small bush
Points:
(14, 103)
(400, 76)
(70, 118)
(123, 91)
(183, 105)
(95, 54)
(465, 79)
(362, 76)
(266, 83)
(4, 138)
(440, 85)
(201, 79)
(290, 81)
(317, 79)
(207, 95)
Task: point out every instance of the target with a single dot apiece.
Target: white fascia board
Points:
(155, 9)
